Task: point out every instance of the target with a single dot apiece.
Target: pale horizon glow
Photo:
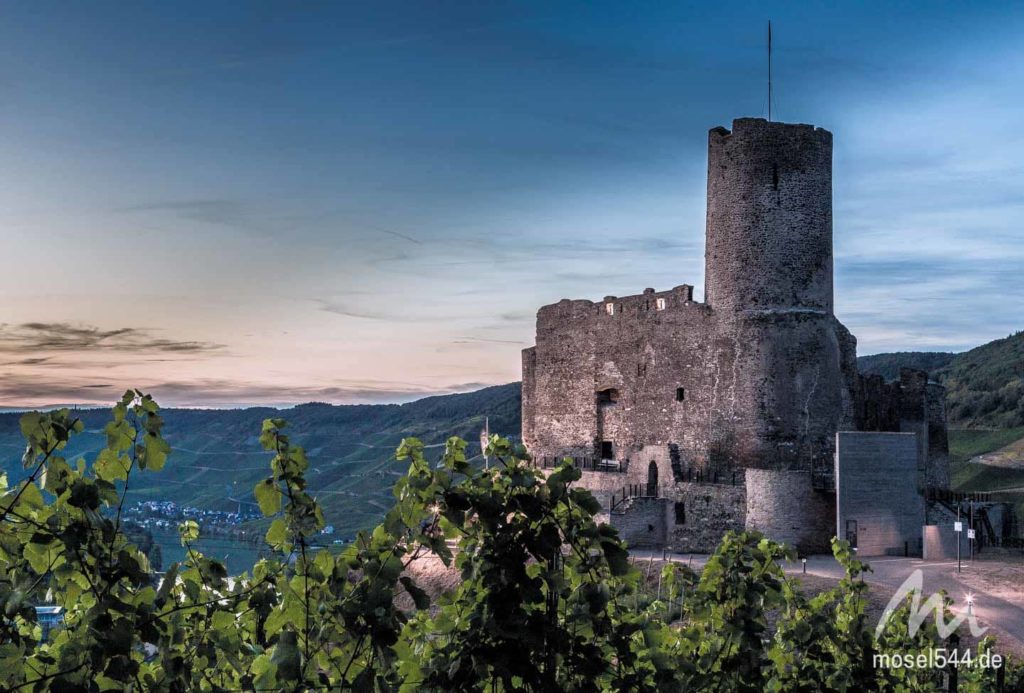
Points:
(281, 203)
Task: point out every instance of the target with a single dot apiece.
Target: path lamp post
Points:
(958, 528)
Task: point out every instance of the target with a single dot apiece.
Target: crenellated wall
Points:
(642, 350)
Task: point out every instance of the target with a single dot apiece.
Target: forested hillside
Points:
(985, 386)
(216, 457)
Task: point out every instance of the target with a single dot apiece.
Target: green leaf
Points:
(55, 478)
(30, 424)
(31, 497)
(38, 556)
(278, 532)
(188, 531)
(110, 466)
(223, 620)
(268, 496)
(155, 453)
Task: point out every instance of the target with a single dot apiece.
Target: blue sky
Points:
(231, 203)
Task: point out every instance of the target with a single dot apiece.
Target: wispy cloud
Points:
(34, 337)
(211, 211)
(485, 340)
(344, 310)
(31, 361)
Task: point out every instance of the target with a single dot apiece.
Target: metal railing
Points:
(732, 477)
(586, 463)
(941, 494)
(635, 491)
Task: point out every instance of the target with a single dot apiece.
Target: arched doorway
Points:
(652, 479)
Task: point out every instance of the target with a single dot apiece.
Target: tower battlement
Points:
(649, 302)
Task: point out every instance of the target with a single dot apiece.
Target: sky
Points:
(270, 203)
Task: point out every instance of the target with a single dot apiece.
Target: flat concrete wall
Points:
(940, 542)
(876, 487)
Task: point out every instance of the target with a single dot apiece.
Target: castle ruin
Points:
(691, 418)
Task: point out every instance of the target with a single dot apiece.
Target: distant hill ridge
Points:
(216, 458)
(888, 365)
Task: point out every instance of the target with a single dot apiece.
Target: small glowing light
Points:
(970, 598)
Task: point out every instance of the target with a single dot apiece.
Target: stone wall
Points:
(597, 375)
(876, 488)
(699, 514)
(785, 507)
(789, 396)
(642, 522)
(937, 471)
(769, 217)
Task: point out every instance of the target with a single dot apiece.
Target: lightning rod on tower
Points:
(769, 70)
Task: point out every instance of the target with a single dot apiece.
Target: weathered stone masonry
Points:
(757, 378)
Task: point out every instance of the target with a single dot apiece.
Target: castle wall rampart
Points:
(628, 371)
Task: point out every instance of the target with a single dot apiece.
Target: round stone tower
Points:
(768, 280)
(769, 220)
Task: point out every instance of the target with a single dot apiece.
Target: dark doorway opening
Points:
(652, 478)
(607, 450)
